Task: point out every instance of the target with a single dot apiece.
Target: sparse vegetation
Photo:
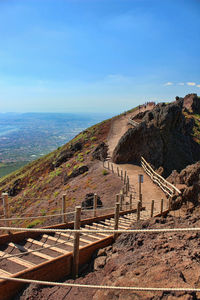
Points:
(34, 223)
(104, 172)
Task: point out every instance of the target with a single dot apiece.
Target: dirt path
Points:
(150, 191)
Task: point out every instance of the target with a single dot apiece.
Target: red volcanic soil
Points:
(142, 260)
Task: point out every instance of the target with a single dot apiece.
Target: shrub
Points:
(104, 172)
(33, 223)
(56, 194)
(43, 212)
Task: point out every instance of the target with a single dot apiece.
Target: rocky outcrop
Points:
(75, 173)
(89, 201)
(100, 152)
(189, 178)
(192, 103)
(63, 157)
(15, 188)
(66, 155)
(163, 138)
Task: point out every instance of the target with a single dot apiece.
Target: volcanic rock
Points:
(15, 189)
(192, 103)
(63, 157)
(89, 201)
(163, 138)
(67, 154)
(100, 152)
(76, 147)
(189, 178)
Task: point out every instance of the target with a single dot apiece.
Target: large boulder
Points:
(100, 152)
(163, 138)
(89, 201)
(192, 103)
(75, 173)
(189, 180)
(63, 157)
(15, 188)
(76, 147)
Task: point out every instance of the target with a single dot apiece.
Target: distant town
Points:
(25, 137)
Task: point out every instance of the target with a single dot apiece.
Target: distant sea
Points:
(28, 136)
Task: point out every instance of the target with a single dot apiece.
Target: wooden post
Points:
(112, 168)
(64, 208)
(108, 165)
(128, 185)
(121, 200)
(141, 198)
(103, 164)
(127, 188)
(123, 190)
(161, 206)
(117, 198)
(116, 218)
(131, 197)
(128, 181)
(77, 222)
(95, 205)
(124, 177)
(140, 181)
(121, 174)
(6, 210)
(117, 171)
(152, 208)
(138, 210)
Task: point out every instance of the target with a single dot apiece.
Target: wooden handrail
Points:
(166, 186)
(132, 122)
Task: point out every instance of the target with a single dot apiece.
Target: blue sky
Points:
(97, 55)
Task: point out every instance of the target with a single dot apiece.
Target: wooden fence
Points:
(132, 122)
(168, 188)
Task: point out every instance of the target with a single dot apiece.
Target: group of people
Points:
(147, 104)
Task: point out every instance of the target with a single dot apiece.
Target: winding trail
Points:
(150, 191)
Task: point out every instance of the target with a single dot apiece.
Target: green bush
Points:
(33, 223)
(104, 172)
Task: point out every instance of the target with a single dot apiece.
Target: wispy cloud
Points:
(168, 83)
(191, 83)
(198, 85)
(181, 83)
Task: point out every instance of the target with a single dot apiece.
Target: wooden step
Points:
(94, 228)
(101, 225)
(56, 249)
(113, 223)
(5, 273)
(36, 253)
(17, 260)
(81, 239)
(90, 235)
(59, 240)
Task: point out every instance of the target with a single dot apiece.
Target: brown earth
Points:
(150, 191)
(142, 260)
(41, 187)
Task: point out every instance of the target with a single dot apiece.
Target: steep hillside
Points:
(72, 169)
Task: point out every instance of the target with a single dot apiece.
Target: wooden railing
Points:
(132, 122)
(168, 188)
